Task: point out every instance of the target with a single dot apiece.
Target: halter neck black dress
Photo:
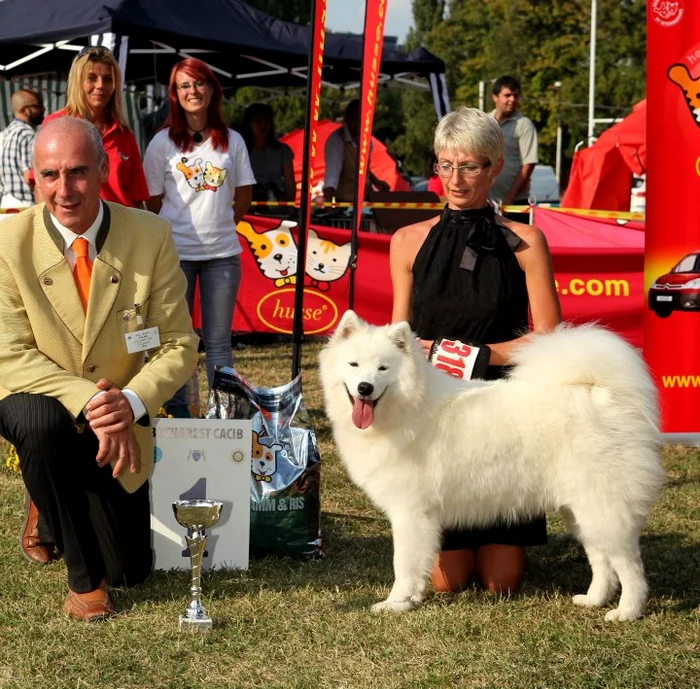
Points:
(468, 285)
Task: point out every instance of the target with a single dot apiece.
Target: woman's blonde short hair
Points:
(76, 102)
(469, 130)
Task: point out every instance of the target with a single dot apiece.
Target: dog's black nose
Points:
(365, 389)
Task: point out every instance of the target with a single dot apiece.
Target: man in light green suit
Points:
(79, 384)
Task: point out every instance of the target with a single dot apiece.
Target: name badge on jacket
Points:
(139, 339)
(142, 340)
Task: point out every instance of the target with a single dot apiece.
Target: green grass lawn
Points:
(307, 625)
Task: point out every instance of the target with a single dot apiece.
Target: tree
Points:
(540, 42)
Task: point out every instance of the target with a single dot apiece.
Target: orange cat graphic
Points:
(325, 261)
(680, 75)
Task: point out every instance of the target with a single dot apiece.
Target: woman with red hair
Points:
(200, 180)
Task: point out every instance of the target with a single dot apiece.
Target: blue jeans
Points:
(219, 279)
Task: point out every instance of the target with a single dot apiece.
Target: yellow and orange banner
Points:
(672, 255)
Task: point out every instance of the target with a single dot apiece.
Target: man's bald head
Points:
(56, 131)
(70, 167)
(27, 106)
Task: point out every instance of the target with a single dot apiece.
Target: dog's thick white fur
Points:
(573, 428)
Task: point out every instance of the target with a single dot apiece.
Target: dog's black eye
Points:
(383, 368)
(353, 364)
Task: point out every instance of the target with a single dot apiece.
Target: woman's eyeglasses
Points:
(186, 86)
(469, 170)
(95, 52)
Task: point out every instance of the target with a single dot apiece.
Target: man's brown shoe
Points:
(29, 542)
(91, 607)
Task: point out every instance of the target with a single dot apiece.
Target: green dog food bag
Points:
(285, 504)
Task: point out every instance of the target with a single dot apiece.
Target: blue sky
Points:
(349, 15)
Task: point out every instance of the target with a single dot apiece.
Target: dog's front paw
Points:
(618, 615)
(394, 606)
(585, 601)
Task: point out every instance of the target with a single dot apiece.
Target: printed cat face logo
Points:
(213, 176)
(325, 261)
(667, 12)
(264, 459)
(193, 173)
(274, 250)
(690, 87)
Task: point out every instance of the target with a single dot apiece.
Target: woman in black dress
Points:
(472, 275)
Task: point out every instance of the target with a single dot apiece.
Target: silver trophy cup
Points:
(196, 515)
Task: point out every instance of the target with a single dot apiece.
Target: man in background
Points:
(17, 140)
(341, 160)
(512, 186)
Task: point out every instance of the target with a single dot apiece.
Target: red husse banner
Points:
(672, 257)
(598, 266)
(269, 265)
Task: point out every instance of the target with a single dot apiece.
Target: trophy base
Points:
(203, 623)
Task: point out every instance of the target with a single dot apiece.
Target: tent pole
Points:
(591, 74)
(304, 206)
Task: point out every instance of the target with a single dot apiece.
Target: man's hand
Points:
(109, 411)
(119, 449)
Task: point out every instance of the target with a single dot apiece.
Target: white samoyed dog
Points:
(573, 428)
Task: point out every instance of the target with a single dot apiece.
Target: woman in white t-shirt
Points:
(200, 180)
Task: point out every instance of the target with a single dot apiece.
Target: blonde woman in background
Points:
(95, 94)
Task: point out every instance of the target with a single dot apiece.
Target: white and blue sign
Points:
(201, 459)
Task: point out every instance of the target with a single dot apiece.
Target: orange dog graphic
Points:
(274, 250)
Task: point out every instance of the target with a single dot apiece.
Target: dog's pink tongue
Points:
(362, 413)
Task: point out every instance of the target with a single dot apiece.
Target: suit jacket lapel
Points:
(55, 276)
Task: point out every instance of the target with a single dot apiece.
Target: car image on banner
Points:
(677, 290)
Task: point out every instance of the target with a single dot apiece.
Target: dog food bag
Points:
(285, 504)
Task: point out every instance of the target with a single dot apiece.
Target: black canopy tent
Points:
(243, 45)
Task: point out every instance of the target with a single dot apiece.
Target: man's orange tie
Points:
(82, 271)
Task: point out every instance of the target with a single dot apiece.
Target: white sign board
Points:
(197, 459)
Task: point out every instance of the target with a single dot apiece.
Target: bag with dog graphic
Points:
(285, 501)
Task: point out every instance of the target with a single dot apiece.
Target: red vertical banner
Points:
(672, 251)
(317, 41)
(314, 96)
(375, 14)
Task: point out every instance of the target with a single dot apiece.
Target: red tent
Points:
(601, 175)
(381, 163)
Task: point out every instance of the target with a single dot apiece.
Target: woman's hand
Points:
(426, 346)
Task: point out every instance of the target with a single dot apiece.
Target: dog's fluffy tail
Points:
(593, 356)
